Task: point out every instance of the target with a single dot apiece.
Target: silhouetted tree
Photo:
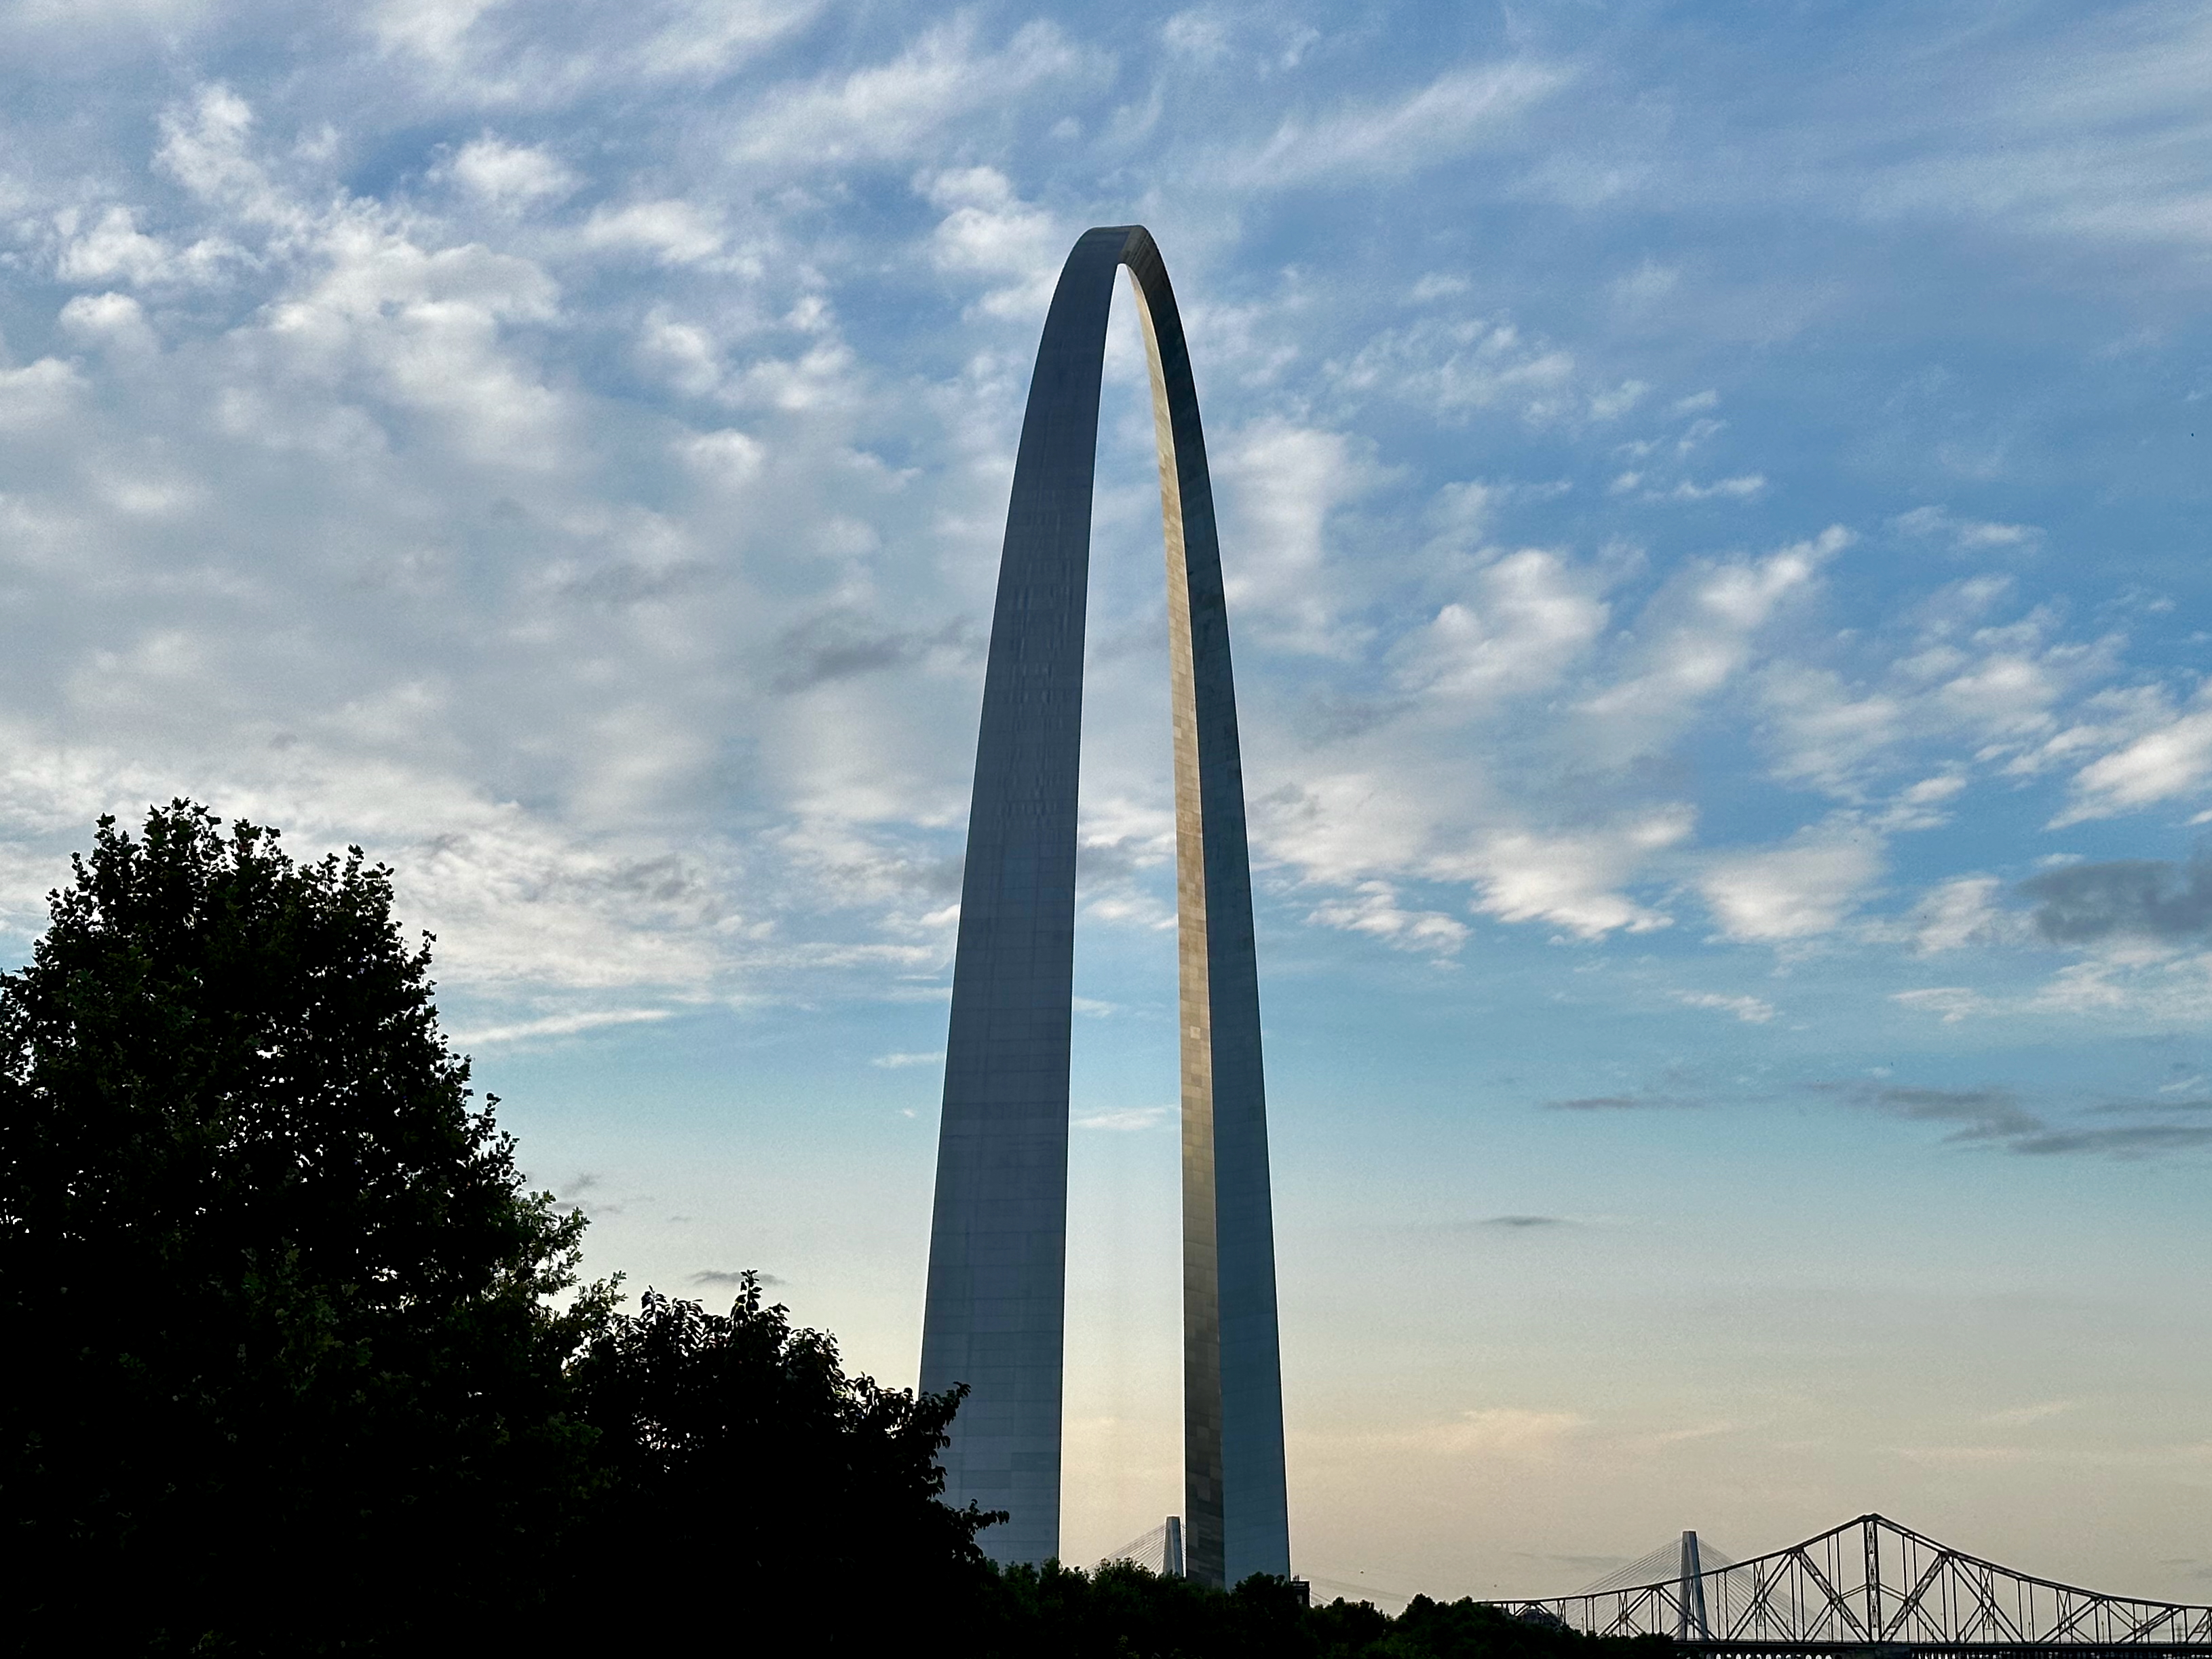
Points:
(1120, 1611)
(283, 1376)
(743, 1460)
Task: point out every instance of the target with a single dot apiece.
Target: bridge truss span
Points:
(1871, 1585)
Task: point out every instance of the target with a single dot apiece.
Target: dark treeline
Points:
(300, 1366)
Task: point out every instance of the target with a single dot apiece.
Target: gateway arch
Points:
(998, 1246)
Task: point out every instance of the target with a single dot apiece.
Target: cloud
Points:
(1735, 489)
(1457, 367)
(1284, 482)
(556, 1026)
(898, 1061)
(112, 248)
(1798, 890)
(1965, 535)
(1953, 1002)
(1521, 1222)
(1960, 913)
(674, 233)
(1701, 627)
(1372, 908)
(1461, 111)
(1980, 1114)
(1527, 617)
(1572, 880)
(1614, 1103)
(1753, 1011)
(733, 1278)
(2126, 898)
(840, 645)
(508, 175)
(1996, 1117)
(895, 110)
(2171, 760)
(988, 231)
(1127, 1119)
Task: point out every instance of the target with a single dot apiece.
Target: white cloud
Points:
(988, 231)
(896, 109)
(1739, 490)
(1963, 912)
(1127, 1119)
(1571, 879)
(1528, 616)
(1966, 535)
(1456, 368)
(713, 37)
(1372, 907)
(1611, 405)
(1953, 1003)
(674, 233)
(1197, 34)
(1823, 734)
(437, 29)
(2164, 764)
(1753, 1011)
(34, 396)
(1798, 890)
(1282, 483)
(898, 1061)
(115, 321)
(114, 247)
(1461, 111)
(555, 1025)
(509, 175)
(1701, 629)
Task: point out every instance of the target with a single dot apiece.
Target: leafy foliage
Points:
(740, 1455)
(278, 1300)
(1121, 1611)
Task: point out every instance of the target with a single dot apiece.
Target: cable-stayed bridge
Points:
(1870, 1587)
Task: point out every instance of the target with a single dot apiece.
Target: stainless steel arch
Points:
(998, 1244)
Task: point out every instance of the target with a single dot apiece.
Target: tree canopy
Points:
(278, 1299)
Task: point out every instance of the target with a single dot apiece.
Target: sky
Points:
(1715, 510)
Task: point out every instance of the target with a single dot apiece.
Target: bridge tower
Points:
(1693, 1627)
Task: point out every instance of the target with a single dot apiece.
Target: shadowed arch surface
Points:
(996, 1311)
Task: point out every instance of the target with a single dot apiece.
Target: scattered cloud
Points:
(1753, 1011)
(2126, 899)
(556, 1026)
(1128, 1120)
(1461, 111)
(1953, 1003)
(1997, 1117)
(1965, 535)
(1795, 892)
(1616, 1103)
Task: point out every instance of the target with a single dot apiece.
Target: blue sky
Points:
(1715, 507)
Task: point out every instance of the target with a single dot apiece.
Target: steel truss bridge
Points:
(1873, 1587)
